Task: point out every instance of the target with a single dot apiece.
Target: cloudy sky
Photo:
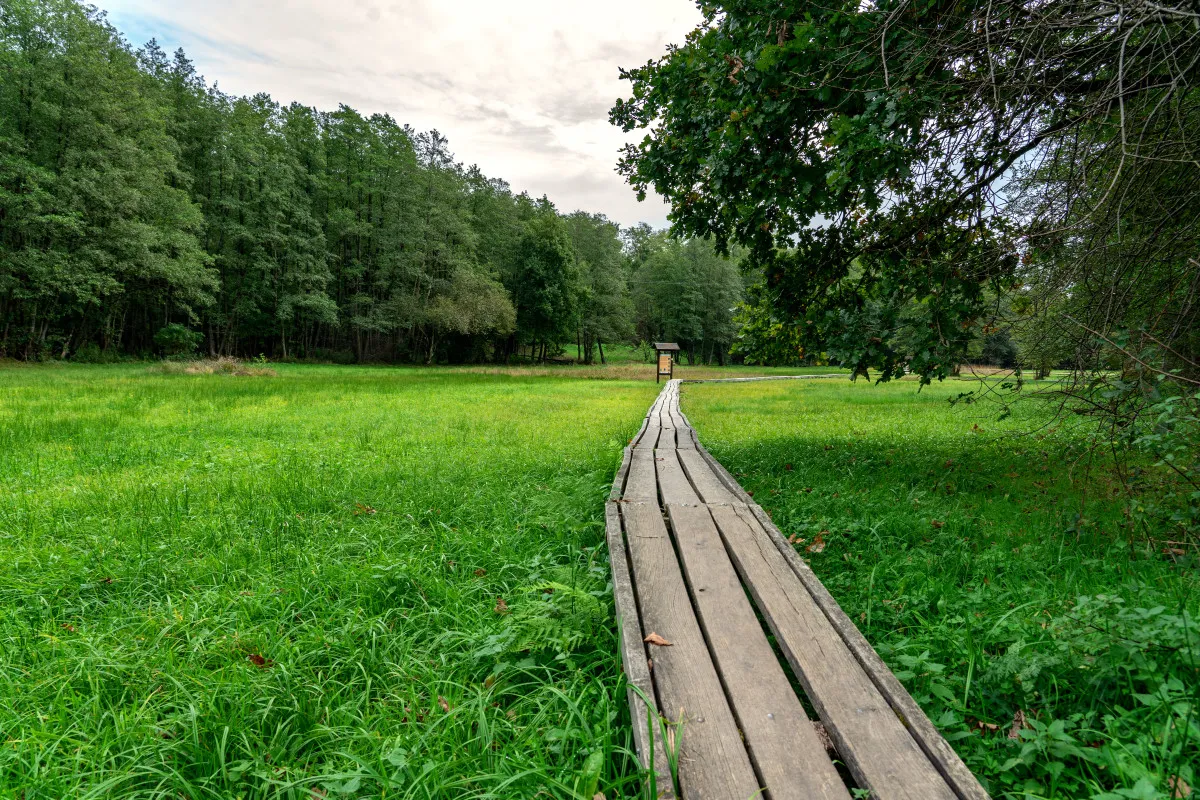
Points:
(521, 87)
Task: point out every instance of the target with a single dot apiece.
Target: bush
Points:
(999, 350)
(177, 340)
(91, 353)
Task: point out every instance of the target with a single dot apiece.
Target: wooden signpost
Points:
(666, 359)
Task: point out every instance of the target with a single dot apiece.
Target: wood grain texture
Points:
(713, 763)
(964, 783)
(720, 672)
(710, 488)
(790, 759)
(642, 484)
(673, 484)
(875, 745)
(647, 733)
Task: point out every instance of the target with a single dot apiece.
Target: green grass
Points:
(219, 586)
(990, 571)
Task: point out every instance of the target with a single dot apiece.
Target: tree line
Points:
(144, 211)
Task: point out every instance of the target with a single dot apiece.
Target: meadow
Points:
(325, 582)
(320, 581)
(1056, 646)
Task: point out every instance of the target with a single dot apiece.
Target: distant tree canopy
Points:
(910, 177)
(144, 211)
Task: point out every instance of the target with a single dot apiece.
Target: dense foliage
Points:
(143, 211)
(899, 169)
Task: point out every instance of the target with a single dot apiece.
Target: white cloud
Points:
(521, 87)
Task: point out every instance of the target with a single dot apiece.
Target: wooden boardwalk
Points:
(704, 583)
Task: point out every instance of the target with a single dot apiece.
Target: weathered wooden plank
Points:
(647, 735)
(641, 486)
(683, 431)
(713, 763)
(710, 488)
(666, 439)
(673, 485)
(650, 430)
(782, 743)
(878, 749)
(965, 785)
(618, 487)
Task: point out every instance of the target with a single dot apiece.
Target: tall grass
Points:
(291, 586)
(1056, 647)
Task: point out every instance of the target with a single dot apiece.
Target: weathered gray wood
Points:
(713, 763)
(889, 744)
(648, 438)
(666, 439)
(673, 485)
(641, 486)
(875, 745)
(710, 488)
(618, 487)
(935, 746)
(790, 759)
(646, 731)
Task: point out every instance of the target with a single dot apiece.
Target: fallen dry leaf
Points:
(479, 573)
(657, 641)
(501, 606)
(935, 523)
(788, 467)
(362, 509)
(818, 545)
(1179, 787)
(599, 796)
(259, 661)
(1017, 724)
(444, 705)
(824, 738)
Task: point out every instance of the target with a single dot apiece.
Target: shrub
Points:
(177, 340)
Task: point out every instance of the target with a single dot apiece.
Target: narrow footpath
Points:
(715, 609)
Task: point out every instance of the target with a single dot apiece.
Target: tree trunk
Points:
(600, 344)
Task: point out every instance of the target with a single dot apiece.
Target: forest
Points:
(144, 212)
